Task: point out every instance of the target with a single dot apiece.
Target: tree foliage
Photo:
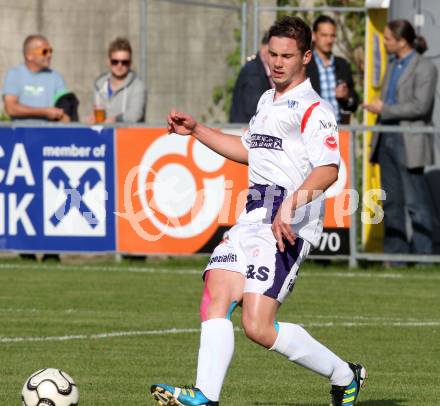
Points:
(350, 45)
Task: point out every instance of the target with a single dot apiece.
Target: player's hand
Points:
(54, 113)
(281, 226)
(180, 123)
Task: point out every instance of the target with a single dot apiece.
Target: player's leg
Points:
(270, 278)
(222, 292)
(295, 343)
(291, 340)
(258, 318)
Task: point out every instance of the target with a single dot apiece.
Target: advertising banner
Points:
(175, 196)
(57, 189)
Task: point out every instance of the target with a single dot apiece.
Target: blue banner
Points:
(57, 189)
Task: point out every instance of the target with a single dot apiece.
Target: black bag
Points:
(69, 103)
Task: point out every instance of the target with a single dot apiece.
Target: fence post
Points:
(243, 36)
(353, 217)
(143, 39)
(256, 26)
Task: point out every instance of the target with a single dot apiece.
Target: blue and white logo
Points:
(74, 198)
(292, 104)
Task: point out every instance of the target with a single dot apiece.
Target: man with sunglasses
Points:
(120, 91)
(31, 89)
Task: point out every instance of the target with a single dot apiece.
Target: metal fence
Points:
(261, 8)
(356, 252)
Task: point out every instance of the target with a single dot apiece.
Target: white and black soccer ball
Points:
(50, 387)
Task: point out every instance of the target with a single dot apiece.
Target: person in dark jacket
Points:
(253, 80)
(331, 75)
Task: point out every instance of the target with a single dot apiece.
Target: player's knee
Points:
(213, 307)
(256, 330)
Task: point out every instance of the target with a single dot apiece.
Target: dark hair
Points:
(402, 29)
(295, 28)
(265, 38)
(321, 20)
(31, 38)
(119, 44)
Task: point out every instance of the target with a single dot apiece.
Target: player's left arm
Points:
(321, 139)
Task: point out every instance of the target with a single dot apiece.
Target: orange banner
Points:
(174, 195)
(339, 197)
(173, 192)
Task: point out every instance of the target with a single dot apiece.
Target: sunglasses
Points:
(42, 51)
(124, 62)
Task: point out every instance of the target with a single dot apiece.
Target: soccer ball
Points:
(50, 387)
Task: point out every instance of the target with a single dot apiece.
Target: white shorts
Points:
(251, 250)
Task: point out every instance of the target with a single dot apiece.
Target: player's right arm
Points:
(227, 145)
(14, 109)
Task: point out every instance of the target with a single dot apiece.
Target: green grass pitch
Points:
(117, 328)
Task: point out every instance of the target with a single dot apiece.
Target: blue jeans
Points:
(407, 197)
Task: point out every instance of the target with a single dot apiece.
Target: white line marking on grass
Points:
(79, 267)
(387, 275)
(298, 316)
(393, 324)
(99, 336)
(9, 340)
(352, 318)
(159, 270)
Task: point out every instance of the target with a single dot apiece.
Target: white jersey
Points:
(286, 139)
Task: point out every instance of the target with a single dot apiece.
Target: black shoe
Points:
(347, 395)
(28, 257)
(50, 258)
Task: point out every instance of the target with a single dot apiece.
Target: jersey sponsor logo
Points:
(223, 258)
(266, 142)
(261, 273)
(327, 125)
(292, 104)
(330, 142)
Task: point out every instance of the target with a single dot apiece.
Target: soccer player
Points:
(291, 148)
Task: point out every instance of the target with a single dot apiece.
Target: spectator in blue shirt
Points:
(31, 88)
(30, 91)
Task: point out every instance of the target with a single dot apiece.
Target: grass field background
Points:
(117, 328)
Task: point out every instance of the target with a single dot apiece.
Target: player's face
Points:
(324, 38)
(286, 62)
